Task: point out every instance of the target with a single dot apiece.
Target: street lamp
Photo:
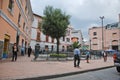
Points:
(102, 17)
(90, 44)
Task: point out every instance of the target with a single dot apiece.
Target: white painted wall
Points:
(49, 43)
(33, 33)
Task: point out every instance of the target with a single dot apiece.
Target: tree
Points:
(55, 23)
(76, 44)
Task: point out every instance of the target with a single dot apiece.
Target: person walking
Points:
(14, 50)
(87, 56)
(105, 56)
(76, 57)
(29, 51)
(37, 50)
(22, 51)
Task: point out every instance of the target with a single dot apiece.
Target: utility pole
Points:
(90, 44)
(102, 17)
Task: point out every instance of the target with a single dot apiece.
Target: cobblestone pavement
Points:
(25, 68)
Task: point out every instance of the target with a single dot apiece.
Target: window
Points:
(63, 48)
(52, 40)
(46, 47)
(27, 30)
(10, 6)
(68, 40)
(114, 40)
(63, 38)
(21, 2)
(52, 48)
(26, 9)
(38, 36)
(19, 19)
(75, 32)
(68, 32)
(22, 42)
(114, 34)
(47, 38)
(94, 33)
(95, 44)
(24, 26)
(94, 37)
(39, 25)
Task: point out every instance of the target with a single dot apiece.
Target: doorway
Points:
(6, 46)
(115, 47)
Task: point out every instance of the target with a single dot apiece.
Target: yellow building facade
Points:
(15, 25)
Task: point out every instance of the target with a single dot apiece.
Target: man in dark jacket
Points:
(29, 51)
(14, 50)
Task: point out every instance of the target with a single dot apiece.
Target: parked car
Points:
(116, 57)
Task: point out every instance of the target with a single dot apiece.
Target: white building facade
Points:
(46, 42)
(37, 37)
(65, 42)
(72, 36)
(76, 35)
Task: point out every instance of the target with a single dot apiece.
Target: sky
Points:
(84, 13)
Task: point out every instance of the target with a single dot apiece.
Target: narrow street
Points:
(105, 74)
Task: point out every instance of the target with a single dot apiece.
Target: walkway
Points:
(25, 68)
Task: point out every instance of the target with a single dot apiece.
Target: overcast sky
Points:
(84, 13)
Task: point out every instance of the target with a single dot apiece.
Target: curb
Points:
(64, 74)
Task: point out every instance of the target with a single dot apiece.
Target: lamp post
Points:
(102, 17)
(90, 44)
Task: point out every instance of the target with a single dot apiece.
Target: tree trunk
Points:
(58, 46)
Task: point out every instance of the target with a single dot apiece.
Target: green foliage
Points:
(55, 23)
(54, 55)
(76, 44)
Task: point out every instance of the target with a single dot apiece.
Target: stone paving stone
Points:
(24, 67)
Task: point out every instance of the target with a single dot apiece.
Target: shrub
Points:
(54, 55)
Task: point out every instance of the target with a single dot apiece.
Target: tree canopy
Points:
(76, 44)
(55, 23)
